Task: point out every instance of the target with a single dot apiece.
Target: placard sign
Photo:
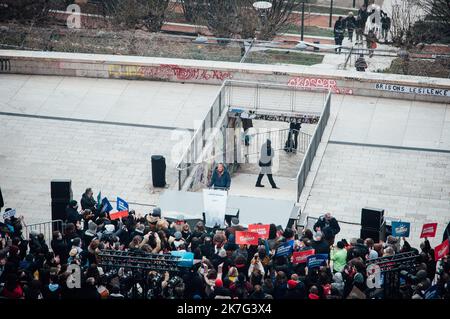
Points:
(261, 230)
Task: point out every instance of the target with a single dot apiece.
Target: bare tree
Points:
(277, 17)
(140, 13)
(22, 10)
(404, 16)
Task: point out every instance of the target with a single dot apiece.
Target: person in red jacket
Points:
(12, 289)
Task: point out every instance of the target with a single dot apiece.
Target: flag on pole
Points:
(121, 204)
(106, 205)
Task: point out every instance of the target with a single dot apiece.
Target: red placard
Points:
(301, 257)
(428, 230)
(117, 215)
(246, 238)
(261, 230)
(441, 250)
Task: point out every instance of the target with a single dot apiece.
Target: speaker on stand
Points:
(158, 171)
(61, 193)
(373, 224)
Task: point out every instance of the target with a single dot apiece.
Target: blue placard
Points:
(186, 258)
(121, 204)
(400, 229)
(10, 213)
(106, 205)
(315, 261)
(285, 249)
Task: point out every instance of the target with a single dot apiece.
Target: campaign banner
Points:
(121, 204)
(261, 230)
(214, 206)
(400, 229)
(9, 214)
(315, 261)
(246, 238)
(441, 250)
(285, 249)
(429, 230)
(186, 258)
(106, 205)
(301, 257)
(118, 215)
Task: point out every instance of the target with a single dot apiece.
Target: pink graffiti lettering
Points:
(168, 72)
(320, 83)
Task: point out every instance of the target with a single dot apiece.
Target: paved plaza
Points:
(384, 153)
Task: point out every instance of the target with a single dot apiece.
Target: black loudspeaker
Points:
(372, 218)
(376, 234)
(2, 203)
(59, 209)
(370, 233)
(158, 171)
(61, 190)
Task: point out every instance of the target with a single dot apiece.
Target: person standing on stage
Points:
(265, 163)
(220, 178)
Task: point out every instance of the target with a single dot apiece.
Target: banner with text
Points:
(429, 230)
(121, 204)
(441, 250)
(10, 213)
(285, 249)
(315, 261)
(246, 238)
(400, 229)
(301, 257)
(118, 215)
(261, 230)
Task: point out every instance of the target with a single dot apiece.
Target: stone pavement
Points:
(113, 158)
(410, 183)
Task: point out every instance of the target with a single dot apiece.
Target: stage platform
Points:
(251, 209)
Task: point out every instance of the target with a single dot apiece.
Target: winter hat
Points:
(234, 221)
(313, 296)
(109, 228)
(291, 284)
(222, 253)
(337, 277)
(76, 241)
(373, 254)
(218, 283)
(196, 297)
(156, 212)
(73, 203)
(178, 235)
(92, 228)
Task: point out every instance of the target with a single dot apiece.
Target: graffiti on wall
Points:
(167, 72)
(319, 83)
(5, 65)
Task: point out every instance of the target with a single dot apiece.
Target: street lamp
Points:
(331, 14)
(303, 20)
(263, 8)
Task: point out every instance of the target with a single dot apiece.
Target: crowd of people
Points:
(359, 26)
(32, 268)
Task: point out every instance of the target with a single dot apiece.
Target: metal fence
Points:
(312, 149)
(45, 228)
(198, 141)
(278, 99)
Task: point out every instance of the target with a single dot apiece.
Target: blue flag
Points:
(315, 261)
(106, 205)
(121, 204)
(400, 229)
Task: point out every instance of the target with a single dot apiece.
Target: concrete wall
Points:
(215, 72)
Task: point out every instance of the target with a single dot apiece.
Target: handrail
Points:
(45, 228)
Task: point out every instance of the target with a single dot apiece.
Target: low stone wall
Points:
(214, 72)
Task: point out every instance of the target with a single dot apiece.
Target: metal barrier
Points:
(45, 228)
(312, 149)
(310, 221)
(278, 99)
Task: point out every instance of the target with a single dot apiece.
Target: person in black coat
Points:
(329, 226)
(339, 30)
(72, 215)
(59, 247)
(87, 200)
(319, 244)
